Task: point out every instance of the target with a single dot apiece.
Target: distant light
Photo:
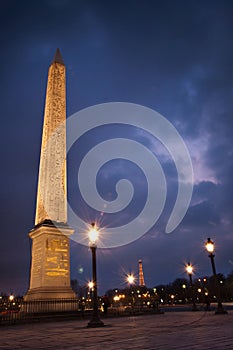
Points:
(11, 297)
(90, 285)
(189, 269)
(130, 279)
(199, 290)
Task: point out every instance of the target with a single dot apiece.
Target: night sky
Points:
(175, 57)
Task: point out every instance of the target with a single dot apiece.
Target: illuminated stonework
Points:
(57, 259)
(50, 264)
(50, 268)
(51, 204)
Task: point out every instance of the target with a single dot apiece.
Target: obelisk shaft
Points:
(52, 192)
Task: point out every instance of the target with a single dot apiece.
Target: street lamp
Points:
(90, 285)
(90, 290)
(93, 237)
(189, 270)
(11, 297)
(130, 279)
(210, 249)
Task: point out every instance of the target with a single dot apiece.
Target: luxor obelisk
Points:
(50, 261)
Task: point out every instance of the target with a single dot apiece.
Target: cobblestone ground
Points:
(172, 330)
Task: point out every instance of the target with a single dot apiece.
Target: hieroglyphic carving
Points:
(37, 257)
(51, 193)
(57, 257)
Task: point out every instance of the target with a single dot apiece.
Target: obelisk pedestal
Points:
(50, 267)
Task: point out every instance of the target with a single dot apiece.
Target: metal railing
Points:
(36, 310)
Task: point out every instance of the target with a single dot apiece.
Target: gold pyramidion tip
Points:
(58, 57)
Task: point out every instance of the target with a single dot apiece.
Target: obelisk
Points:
(50, 260)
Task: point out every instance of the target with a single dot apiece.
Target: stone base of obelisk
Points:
(49, 293)
(47, 300)
(50, 265)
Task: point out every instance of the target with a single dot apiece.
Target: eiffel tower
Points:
(141, 275)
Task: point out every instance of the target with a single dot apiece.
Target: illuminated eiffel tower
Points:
(141, 275)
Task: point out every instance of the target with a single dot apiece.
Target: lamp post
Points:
(130, 280)
(189, 270)
(93, 236)
(210, 249)
(90, 290)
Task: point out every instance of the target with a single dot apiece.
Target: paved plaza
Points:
(172, 330)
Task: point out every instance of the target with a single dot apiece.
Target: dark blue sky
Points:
(172, 56)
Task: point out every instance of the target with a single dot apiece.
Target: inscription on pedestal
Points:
(57, 258)
(37, 263)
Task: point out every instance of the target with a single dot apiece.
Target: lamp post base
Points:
(220, 310)
(95, 322)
